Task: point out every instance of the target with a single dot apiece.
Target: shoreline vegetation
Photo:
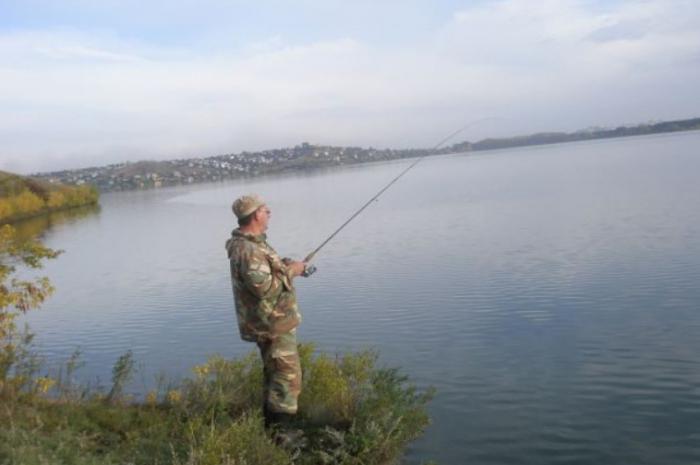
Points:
(352, 410)
(308, 157)
(22, 197)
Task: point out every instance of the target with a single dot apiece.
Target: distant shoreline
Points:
(308, 157)
(23, 198)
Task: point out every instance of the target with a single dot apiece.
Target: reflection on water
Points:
(36, 226)
(550, 294)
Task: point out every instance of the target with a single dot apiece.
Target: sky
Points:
(86, 83)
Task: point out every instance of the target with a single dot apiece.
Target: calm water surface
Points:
(550, 294)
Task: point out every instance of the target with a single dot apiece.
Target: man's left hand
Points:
(296, 267)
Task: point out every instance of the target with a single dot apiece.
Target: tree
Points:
(28, 203)
(7, 210)
(18, 295)
(56, 200)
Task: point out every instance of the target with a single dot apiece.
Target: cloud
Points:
(559, 54)
(554, 35)
(84, 53)
(72, 97)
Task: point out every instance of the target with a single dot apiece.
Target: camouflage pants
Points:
(281, 373)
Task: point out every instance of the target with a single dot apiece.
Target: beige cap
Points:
(244, 206)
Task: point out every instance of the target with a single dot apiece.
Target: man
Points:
(266, 307)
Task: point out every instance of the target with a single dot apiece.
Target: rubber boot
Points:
(268, 416)
(285, 434)
(280, 419)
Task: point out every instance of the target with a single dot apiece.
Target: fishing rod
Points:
(310, 269)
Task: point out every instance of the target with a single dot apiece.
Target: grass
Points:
(352, 411)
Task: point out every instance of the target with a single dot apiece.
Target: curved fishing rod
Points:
(310, 269)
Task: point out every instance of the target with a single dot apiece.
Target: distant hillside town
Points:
(149, 174)
(303, 157)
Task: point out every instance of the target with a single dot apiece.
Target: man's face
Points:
(263, 216)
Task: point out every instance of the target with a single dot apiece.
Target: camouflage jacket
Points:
(266, 304)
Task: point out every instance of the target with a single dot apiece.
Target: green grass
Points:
(352, 411)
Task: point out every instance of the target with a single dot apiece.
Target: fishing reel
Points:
(309, 269)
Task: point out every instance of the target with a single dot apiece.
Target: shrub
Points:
(27, 203)
(22, 197)
(56, 200)
(351, 412)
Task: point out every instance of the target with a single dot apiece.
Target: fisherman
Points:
(266, 307)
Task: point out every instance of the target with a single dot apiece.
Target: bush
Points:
(351, 412)
(27, 203)
(22, 197)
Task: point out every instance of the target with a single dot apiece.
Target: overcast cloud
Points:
(84, 85)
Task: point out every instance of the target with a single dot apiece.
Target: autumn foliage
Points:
(22, 197)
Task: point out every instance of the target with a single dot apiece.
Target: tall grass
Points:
(352, 411)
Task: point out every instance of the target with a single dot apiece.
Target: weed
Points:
(122, 372)
(351, 412)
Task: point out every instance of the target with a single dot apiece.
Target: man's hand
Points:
(296, 267)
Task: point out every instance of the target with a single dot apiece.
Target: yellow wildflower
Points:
(44, 383)
(201, 370)
(174, 396)
(151, 397)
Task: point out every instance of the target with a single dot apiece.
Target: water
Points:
(550, 294)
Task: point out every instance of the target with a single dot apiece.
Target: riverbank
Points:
(352, 411)
(22, 198)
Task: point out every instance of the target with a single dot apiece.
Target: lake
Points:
(550, 294)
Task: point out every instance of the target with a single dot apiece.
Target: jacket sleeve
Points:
(258, 275)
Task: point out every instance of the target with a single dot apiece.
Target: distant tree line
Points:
(560, 137)
(22, 197)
